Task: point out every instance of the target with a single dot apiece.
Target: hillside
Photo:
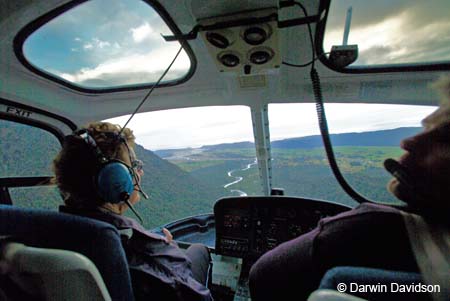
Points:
(374, 138)
(174, 193)
(186, 182)
(171, 190)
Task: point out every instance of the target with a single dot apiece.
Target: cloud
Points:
(96, 43)
(142, 32)
(131, 69)
(88, 46)
(101, 44)
(374, 54)
(366, 13)
(191, 127)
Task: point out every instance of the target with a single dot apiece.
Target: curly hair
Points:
(76, 164)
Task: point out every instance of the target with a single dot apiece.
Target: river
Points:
(237, 179)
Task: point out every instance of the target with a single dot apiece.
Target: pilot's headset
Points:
(113, 179)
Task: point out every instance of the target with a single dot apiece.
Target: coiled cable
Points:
(323, 126)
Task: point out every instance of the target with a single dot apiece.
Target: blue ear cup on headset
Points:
(114, 182)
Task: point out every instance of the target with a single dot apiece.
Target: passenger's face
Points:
(427, 162)
(136, 196)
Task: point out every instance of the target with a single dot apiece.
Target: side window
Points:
(27, 152)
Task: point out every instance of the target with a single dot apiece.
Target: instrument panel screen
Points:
(247, 227)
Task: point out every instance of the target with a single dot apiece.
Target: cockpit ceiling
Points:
(202, 9)
(207, 85)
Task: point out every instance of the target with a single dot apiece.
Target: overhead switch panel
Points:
(244, 43)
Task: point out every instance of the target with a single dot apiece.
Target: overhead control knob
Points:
(229, 59)
(255, 35)
(260, 55)
(218, 40)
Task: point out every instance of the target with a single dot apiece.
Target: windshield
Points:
(192, 157)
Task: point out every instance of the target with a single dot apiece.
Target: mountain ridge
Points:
(390, 137)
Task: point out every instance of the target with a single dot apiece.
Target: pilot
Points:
(370, 235)
(99, 176)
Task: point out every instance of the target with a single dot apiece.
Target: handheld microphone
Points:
(399, 172)
(417, 191)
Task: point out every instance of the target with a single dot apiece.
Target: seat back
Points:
(51, 274)
(332, 295)
(98, 241)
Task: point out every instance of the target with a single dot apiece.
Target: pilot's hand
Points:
(168, 235)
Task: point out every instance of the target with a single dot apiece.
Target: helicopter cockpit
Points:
(254, 119)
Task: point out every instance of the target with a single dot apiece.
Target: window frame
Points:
(34, 181)
(31, 27)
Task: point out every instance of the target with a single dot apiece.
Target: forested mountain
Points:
(187, 182)
(375, 138)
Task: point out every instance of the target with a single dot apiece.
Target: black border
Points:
(64, 120)
(31, 27)
(320, 33)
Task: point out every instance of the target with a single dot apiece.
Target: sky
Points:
(103, 43)
(195, 127)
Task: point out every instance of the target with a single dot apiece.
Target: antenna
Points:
(343, 55)
(151, 90)
(348, 21)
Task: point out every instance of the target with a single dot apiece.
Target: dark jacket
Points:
(159, 270)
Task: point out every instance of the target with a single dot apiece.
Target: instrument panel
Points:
(247, 227)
